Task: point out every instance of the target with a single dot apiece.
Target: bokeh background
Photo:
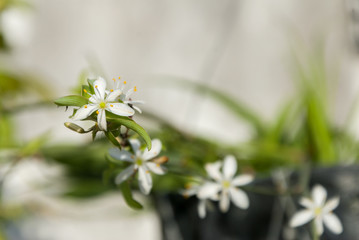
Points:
(244, 48)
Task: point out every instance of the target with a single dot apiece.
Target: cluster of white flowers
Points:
(141, 162)
(224, 188)
(114, 101)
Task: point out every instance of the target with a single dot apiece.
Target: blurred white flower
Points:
(17, 25)
(202, 203)
(102, 102)
(226, 184)
(141, 163)
(318, 209)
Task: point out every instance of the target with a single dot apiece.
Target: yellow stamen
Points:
(135, 89)
(97, 112)
(114, 79)
(111, 105)
(85, 106)
(96, 86)
(187, 186)
(157, 165)
(85, 91)
(124, 82)
(111, 90)
(119, 77)
(147, 171)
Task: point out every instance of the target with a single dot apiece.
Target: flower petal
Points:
(239, 198)
(121, 155)
(133, 102)
(113, 95)
(333, 223)
(331, 204)
(318, 222)
(99, 87)
(224, 202)
(101, 120)
(301, 218)
(144, 180)
(241, 180)
(306, 202)
(155, 150)
(319, 195)
(135, 144)
(213, 170)
(208, 190)
(85, 111)
(94, 99)
(120, 109)
(155, 168)
(137, 109)
(229, 167)
(202, 208)
(125, 174)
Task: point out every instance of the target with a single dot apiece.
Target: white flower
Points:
(318, 209)
(102, 102)
(202, 203)
(125, 97)
(226, 184)
(140, 162)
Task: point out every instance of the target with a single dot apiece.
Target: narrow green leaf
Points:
(131, 124)
(112, 139)
(72, 100)
(127, 195)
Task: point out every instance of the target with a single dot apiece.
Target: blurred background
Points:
(244, 48)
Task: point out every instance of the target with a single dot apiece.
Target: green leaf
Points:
(127, 195)
(129, 123)
(112, 139)
(72, 100)
(34, 145)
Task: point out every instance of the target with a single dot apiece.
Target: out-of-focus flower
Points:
(226, 183)
(102, 102)
(140, 162)
(17, 25)
(202, 203)
(318, 209)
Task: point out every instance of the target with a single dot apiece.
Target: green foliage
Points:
(72, 100)
(127, 195)
(131, 124)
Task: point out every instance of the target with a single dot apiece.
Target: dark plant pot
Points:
(265, 218)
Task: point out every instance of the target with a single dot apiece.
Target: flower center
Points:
(226, 184)
(102, 105)
(139, 162)
(317, 211)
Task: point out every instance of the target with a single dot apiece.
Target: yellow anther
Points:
(147, 171)
(96, 86)
(124, 82)
(119, 77)
(111, 105)
(187, 186)
(157, 165)
(85, 106)
(85, 91)
(135, 89)
(111, 90)
(97, 112)
(114, 79)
